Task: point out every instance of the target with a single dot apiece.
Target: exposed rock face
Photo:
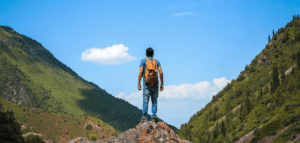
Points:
(149, 132)
(14, 91)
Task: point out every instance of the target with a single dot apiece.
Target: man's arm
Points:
(161, 78)
(140, 77)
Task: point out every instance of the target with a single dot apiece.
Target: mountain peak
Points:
(143, 132)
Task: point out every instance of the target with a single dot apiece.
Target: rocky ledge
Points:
(148, 132)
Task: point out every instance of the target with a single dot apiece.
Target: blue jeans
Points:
(148, 91)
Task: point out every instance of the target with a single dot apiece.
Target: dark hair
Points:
(149, 52)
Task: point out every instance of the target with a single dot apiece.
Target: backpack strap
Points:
(151, 61)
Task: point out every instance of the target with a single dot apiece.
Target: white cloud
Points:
(221, 82)
(177, 103)
(135, 98)
(117, 54)
(183, 14)
(201, 90)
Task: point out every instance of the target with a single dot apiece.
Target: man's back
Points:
(143, 63)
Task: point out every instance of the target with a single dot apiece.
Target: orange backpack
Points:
(151, 72)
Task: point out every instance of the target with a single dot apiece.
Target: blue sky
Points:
(201, 45)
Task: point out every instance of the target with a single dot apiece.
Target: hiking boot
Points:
(143, 120)
(154, 119)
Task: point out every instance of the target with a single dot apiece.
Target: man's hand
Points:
(161, 87)
(139, 87)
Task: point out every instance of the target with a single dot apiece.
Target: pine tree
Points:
(283, 77)
(273, 33)
(223, 131)
(269, 39)
(293, 17)
(275, 83)
(261, 93)
(216, 131)
(247, 103)
(242, 113)
(298, 60)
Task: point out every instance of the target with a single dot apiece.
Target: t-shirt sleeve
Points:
(158, 63)
(143, 63)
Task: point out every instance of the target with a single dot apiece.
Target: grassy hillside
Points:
(31, 76)
(264, 98)
(59, 128)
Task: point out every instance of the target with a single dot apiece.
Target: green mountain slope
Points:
(56, 127)
(31, 76)
(264, 98)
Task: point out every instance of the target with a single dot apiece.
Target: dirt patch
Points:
(270, 72)
(47, 140)
(211, 128)
(246, 138)
(269, 139)
(288, 71)
(23, 127)
(24, 135)
(222, 119)
(236, 108)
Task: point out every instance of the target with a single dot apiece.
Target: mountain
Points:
(32, 77)
(262, 104)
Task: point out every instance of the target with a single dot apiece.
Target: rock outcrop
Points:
(148, 132)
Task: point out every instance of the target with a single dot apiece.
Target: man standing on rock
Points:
(148, 70)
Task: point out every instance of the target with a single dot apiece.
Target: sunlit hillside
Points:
(262, 103)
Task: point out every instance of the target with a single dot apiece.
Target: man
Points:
(150, 89)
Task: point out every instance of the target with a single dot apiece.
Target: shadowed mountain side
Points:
(112, 110)
(149, 132)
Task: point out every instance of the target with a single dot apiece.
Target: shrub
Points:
(261, 84)
(93, 137)
(46, 98)
(265, 120)
(280, 52)
(270, 127)
(273, 132)
(266, 90)
(293, 137)
(235, 138)
(252, 69)
(89, 127)
(240, 78)
(297, 128)
(257, 132)
(286, 133)
(241, 127)
(286, 121)
(295, 117)
(288, 107)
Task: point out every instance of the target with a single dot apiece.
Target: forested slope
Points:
(264, 99)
